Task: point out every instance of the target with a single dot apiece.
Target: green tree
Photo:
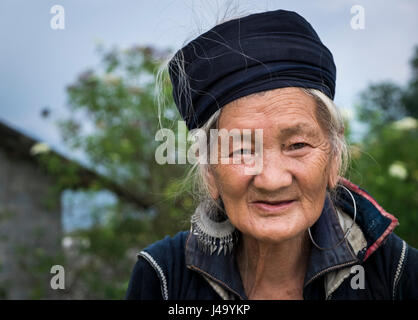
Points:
(387, 165)
(117, 103)
(114, 119)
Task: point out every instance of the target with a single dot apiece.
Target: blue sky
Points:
(37, 63)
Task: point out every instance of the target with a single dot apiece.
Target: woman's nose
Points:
(274, 173)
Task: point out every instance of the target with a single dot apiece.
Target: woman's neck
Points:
(273, 270)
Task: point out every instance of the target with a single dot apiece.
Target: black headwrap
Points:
(259, 52)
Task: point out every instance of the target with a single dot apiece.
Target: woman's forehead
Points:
(289, 108)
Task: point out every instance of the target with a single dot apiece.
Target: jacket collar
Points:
(222, 269)
(375, 223)
(336, 251)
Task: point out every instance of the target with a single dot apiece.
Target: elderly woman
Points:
(295, 229)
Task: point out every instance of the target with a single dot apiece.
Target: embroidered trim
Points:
(389, 229)
(157, 268)
(399, 268)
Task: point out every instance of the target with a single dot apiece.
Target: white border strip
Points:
(160, 272)
(399, 268)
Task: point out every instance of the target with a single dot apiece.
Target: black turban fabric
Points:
(259, 52)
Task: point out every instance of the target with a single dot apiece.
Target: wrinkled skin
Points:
(295, 165)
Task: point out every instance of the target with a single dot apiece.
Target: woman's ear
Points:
(333, 172)
(210, 179)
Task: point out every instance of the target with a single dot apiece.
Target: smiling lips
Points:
(273, 206)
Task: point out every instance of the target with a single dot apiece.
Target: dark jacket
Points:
(372, 263)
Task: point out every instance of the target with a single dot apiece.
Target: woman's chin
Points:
(274, 232)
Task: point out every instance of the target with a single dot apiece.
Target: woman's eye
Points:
(298, 145)
(241, 152)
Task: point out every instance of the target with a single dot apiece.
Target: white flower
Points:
(111, 79)
(398, 170)
(70, 242)
(67, 242)
(407, 123)
(38, 148)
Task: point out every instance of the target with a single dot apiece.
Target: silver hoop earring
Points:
(213, 229)
(346, 233)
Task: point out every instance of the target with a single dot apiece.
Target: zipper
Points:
(312, 279)
(346, 264)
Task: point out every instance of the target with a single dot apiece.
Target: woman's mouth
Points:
(273, 206)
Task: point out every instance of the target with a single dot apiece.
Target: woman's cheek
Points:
(232, 178)
(316, 162)
(314, 178)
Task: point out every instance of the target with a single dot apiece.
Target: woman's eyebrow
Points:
(300, 128)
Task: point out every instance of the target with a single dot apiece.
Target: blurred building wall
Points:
(30, 230)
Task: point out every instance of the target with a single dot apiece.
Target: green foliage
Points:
(386, 161)
(117, 104)
(114, 118)
(107, 251)
(35, 262)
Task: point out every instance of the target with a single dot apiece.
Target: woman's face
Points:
(296, 166)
